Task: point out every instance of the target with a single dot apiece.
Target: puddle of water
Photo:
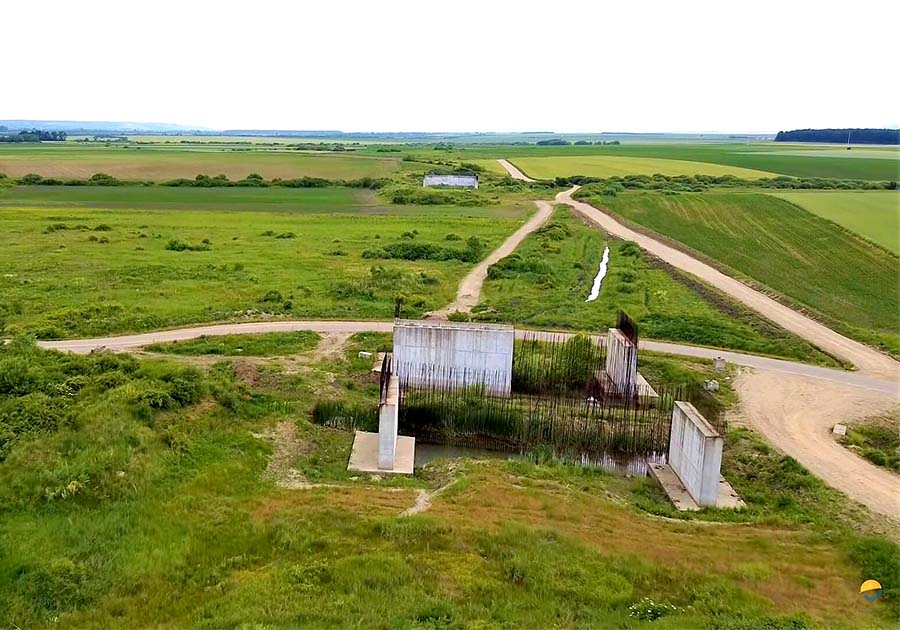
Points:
(604, 264)
(620, 463)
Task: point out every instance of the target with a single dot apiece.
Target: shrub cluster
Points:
(409, 249)
(177, 245)
(699, 183)
(340, 414)
(254, 180)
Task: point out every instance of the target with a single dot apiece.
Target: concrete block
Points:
(719, 363)
(364, 355)
(695, 453)
(364, 455)
(726, 497)
(839, 429)
(388, 421)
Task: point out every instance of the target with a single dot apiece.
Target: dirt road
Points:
(514, 172)
(796, 415)
(866, 359)
(469, 292)
(795, 410)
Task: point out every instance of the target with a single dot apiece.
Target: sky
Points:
(492, 65)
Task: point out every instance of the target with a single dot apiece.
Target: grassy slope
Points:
(549, 287)
(772, 158)
(873, 214)
(261, 345)
(65, 284)
(804, 257)
(160, 163)
(105, 518)
(609, 166)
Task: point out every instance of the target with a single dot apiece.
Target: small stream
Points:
(604, 265)
(619, 463)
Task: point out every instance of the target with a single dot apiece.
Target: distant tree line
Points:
(34, 135)
(559, 142)
(253, 180)
(840, 136)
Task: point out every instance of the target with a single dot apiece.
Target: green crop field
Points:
(872, 214)
(790, 159)
(609, 166)
(546, 281)
(809, 260)
(81, 271)
(163, 162)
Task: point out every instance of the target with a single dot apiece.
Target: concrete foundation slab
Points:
(364, 456)
(727, 498)
(612, 393)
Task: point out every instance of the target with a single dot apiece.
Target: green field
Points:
(163, 162)
(843, 278)
(546, 281)
(610, 166)
(872, 214)
(153, 494)
(259, 345)
(83, 271)
(766, 157)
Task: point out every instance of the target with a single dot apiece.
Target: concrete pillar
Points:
(388, 419)
(695, 453)
(621, 363)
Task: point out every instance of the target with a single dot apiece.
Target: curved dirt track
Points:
(514, 172)
(866, 359)
(795, 410)
(469, 292)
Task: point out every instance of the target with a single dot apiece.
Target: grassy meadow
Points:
(133, 162)
(874, 214)
(258, 345)
(81, 270)
(163, 492)
(837, 275)
(546, 281)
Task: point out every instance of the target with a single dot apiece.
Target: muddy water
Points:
(620, 463)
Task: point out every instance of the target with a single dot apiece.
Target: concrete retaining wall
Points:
(452, 353)
(695, 453)
(621, 363)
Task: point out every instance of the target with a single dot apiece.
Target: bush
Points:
(176, 245)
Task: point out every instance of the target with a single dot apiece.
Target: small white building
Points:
(456, 181)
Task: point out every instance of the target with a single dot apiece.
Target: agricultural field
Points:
(874, 215)
(163, 163)
(85, 269)
(610, 166)
(828, 270)
(545, 283)
(149, 477)
(879, 164)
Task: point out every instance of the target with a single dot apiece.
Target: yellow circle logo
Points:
(870, 590)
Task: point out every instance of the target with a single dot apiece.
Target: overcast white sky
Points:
(490, 65)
